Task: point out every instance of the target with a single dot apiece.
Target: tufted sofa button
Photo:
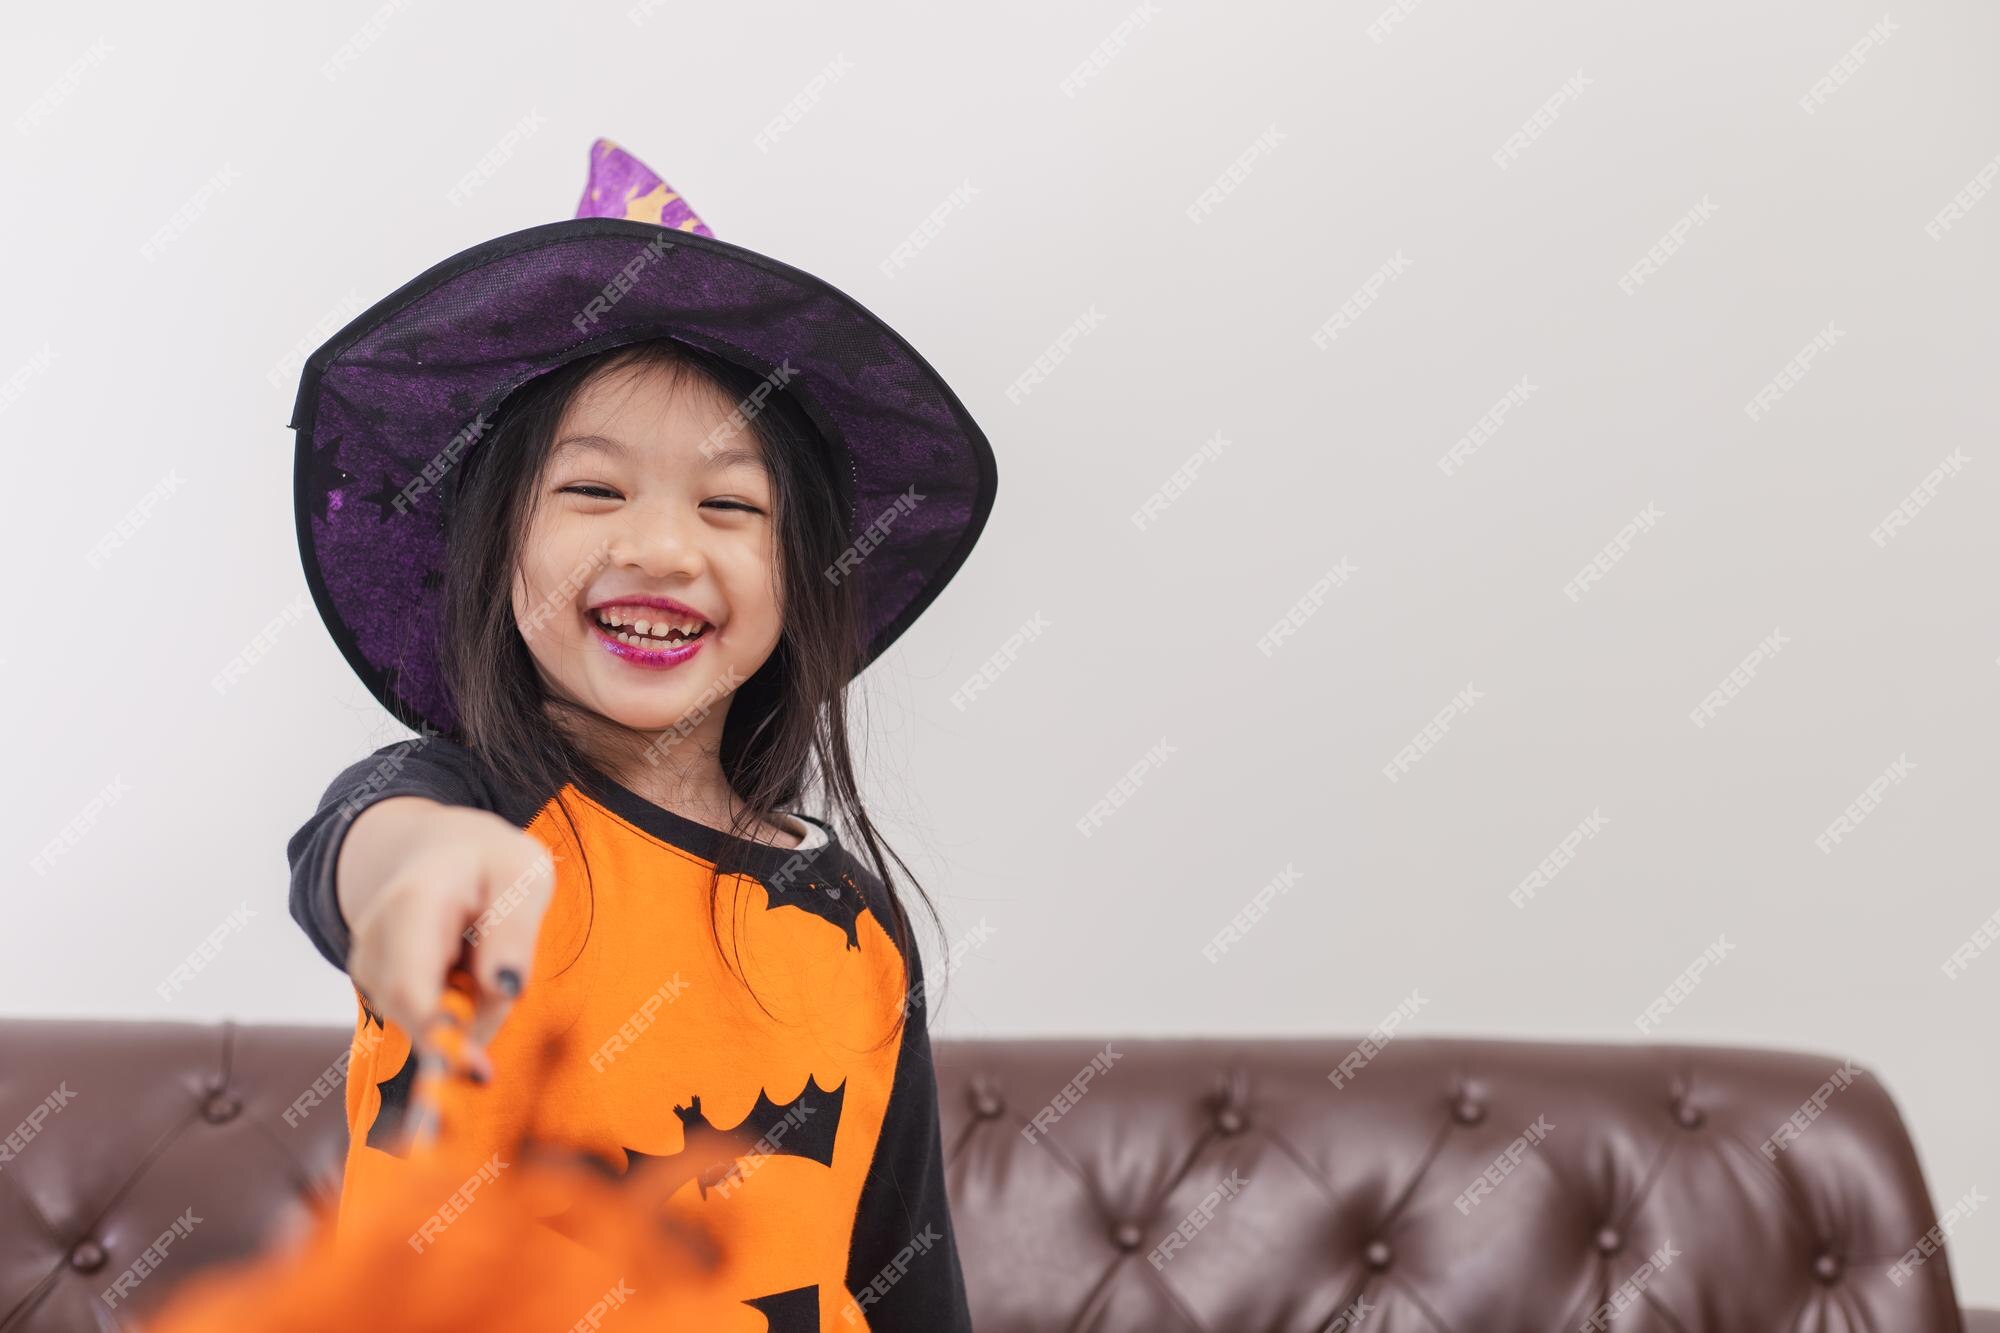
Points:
(221, 1107)
(1378, 1254)
(1608, 1240)
(1469, 1111)
(1827, 1267)
(1127, 1236)
(986, 1104)
(1689, 1115)
(1229, 1120)
(86, 1256)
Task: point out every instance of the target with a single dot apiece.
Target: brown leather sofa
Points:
(1231, 1186)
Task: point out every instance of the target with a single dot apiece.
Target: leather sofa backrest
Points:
(1465, 1186)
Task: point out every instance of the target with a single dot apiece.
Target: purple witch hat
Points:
(391, 404)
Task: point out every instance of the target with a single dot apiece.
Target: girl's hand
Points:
(427, 887)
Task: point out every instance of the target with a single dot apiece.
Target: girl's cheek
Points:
(549, 550)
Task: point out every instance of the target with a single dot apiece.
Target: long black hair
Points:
(786, 730)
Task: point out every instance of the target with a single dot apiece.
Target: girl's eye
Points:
(597, 492)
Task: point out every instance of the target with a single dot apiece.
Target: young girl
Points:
(612, 513)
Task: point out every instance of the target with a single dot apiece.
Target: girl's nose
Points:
(656, 544)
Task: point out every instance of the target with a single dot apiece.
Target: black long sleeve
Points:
(903, 1267)
(419, 766)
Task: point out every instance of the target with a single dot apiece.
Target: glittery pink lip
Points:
(652, 659)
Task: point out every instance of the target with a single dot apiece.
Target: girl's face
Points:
(652, 489)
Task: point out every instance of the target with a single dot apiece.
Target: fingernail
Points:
(510, 982)
(478, 1066)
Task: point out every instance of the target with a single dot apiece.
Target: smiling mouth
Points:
(638, 631)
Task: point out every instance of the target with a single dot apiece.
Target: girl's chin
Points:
(643, 718)
(645, 700)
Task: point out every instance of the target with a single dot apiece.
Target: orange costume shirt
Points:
(843, 1222)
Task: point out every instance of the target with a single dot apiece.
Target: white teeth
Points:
(646, 633)
(635, 641)
(619, 617)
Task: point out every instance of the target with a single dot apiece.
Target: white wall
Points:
(124, 377)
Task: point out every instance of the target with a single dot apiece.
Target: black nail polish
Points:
(510, 982)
